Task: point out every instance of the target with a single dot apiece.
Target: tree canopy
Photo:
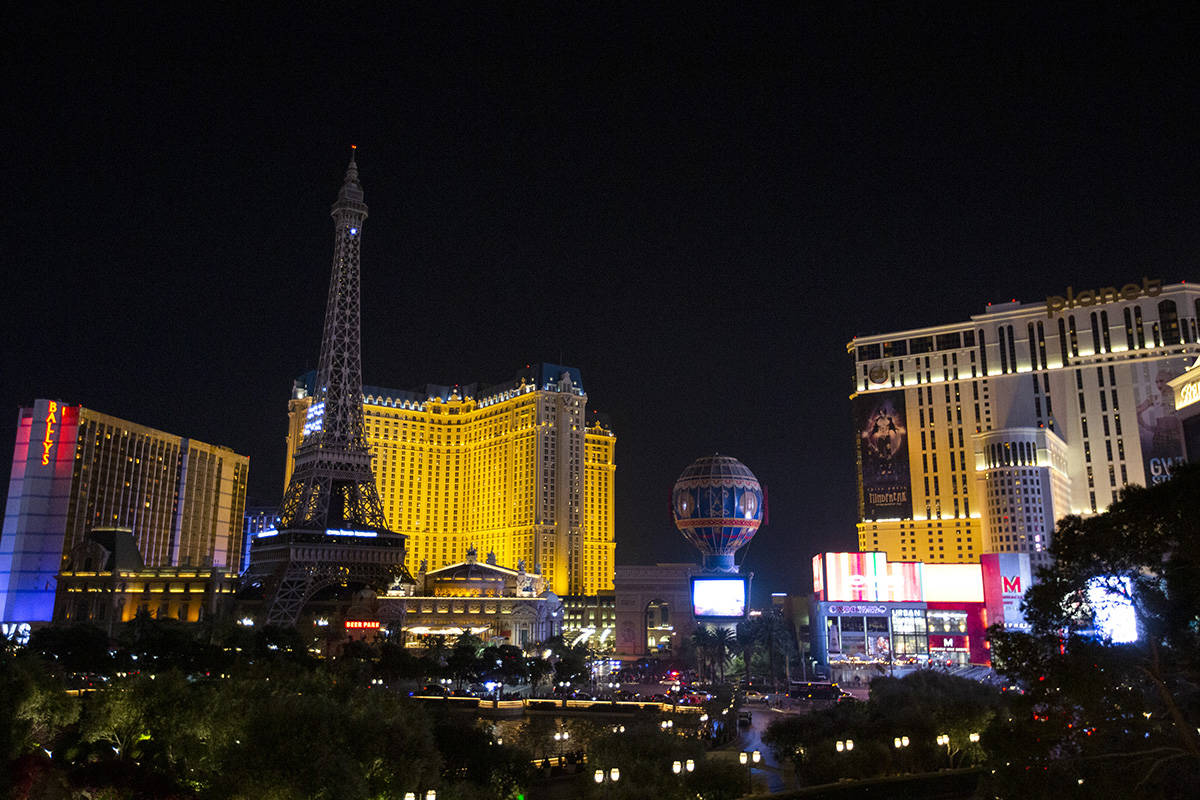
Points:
(1097, 710)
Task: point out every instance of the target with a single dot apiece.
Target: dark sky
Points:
(698, 209)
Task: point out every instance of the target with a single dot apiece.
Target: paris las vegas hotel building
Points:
(975, 437)
(513, 469)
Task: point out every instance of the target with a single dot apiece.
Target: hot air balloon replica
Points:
(718, 506)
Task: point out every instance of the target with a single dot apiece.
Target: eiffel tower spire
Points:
(331, 523)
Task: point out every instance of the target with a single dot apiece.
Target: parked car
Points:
(817, 692)
(755, 696)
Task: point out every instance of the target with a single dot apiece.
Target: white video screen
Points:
(1114, 615)
(719, 597)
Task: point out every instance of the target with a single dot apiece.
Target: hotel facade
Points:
(977, 436)
(75, 470)
(515, 469)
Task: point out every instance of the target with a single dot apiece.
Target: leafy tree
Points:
(1115, 713)
(570, 661)
(80, 648)
(463, 661)
(34, 712)
(504, 664)
(539, 670)
(921, 706)
(643, 754)
(472, 757)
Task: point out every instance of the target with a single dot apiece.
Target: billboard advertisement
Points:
(869, 576)
(881, 427)
(1112, 610)
(1159, 429)
(719, 597)
(1006, 577)
(952, 582)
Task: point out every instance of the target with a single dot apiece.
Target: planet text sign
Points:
(1086, 298)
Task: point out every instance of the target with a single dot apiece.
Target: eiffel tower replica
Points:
(331, 530)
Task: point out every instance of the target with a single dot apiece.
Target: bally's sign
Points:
(1105, 294)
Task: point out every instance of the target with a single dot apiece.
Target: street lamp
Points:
(429, 795)
(667, 724)
(900, 741)
(561, 738)
(613, 775)
(844, 745)
(618, 729)
(748, 760)
(974, 737)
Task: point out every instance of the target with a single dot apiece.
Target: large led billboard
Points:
(1112, 610)
(868, 576)
(952, 582)
(1006, 577)
(879, 419)
(1160, 431)
(720, 598)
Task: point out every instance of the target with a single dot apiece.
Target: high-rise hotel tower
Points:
(75, 470)
(515, 469)
(976, 436)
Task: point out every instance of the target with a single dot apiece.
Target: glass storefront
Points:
(909, 633)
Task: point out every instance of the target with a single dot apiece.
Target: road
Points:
(769, 774)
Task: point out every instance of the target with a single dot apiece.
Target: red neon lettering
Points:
(359, 623)
(1011, 584)
(48, 442)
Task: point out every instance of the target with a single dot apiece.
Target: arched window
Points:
(1168, 320)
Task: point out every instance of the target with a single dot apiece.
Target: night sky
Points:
(698, 209)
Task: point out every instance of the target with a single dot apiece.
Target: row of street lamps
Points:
(943, 740)
(613, 775)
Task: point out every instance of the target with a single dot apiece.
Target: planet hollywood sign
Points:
(1105, 294)
(1188, 393)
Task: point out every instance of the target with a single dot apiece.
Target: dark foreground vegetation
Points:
(1080, 715)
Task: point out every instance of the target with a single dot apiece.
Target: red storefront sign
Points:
(948, 642)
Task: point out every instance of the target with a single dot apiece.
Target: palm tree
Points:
(722, 643)
(702, 641)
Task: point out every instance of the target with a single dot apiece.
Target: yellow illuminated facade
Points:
(977, 437)
(513, 469)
